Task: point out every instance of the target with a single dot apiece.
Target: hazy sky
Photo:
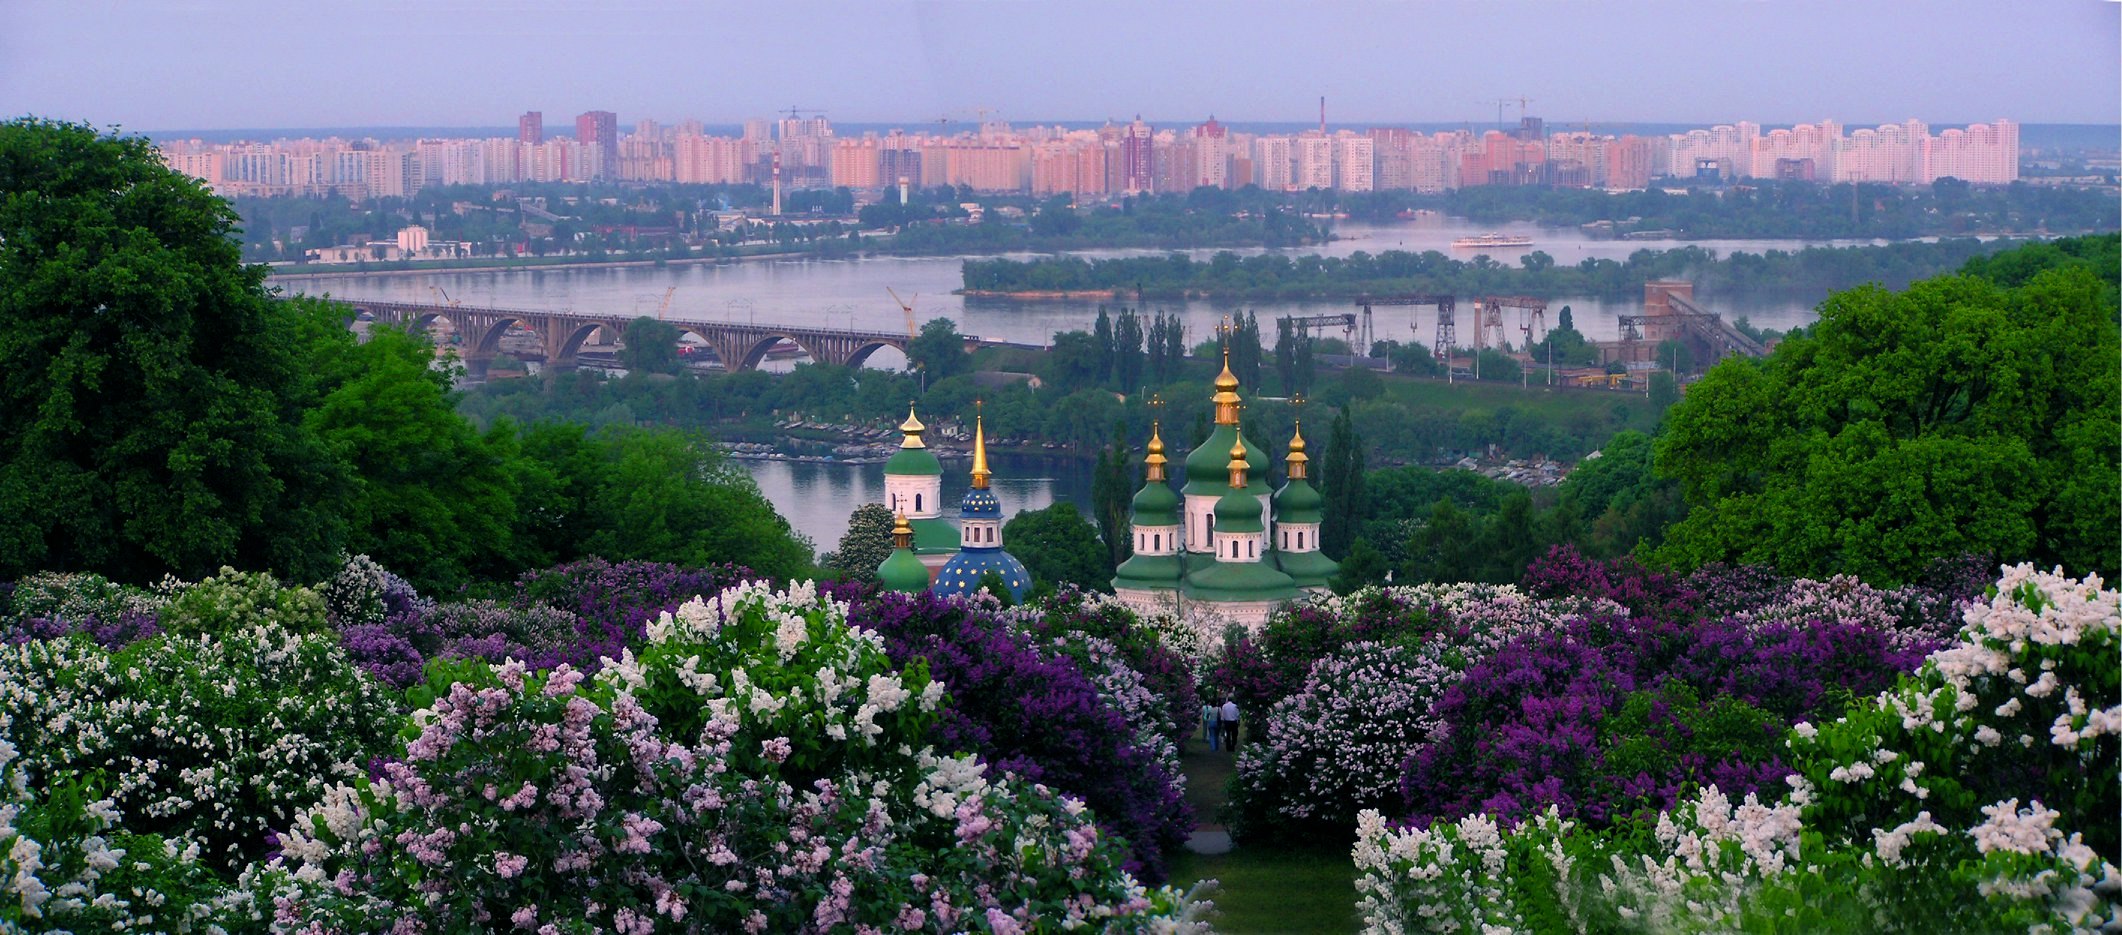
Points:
(210, 64)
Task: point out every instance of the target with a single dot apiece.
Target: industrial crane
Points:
(665, 307)
(904, 306)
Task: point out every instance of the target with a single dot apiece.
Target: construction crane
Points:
(908, 308)
(444, 294)
(794, 112)
(1523, 103)
(665, 307)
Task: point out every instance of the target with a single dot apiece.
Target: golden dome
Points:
(1226, 381)
(913, 429)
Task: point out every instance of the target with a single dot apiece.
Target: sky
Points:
(152, 65)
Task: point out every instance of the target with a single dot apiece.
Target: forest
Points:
(1807, 271)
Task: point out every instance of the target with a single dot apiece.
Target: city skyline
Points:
(245, 64)
(1114, 159)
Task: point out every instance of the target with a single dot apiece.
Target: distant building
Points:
(1138, 165)
(530, 128)
(599, 128)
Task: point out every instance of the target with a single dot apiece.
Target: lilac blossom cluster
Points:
(214, 737)
(51, 605)
(1978, 794)
(1337, 744)
(1159, 649)
(1026, 708)
(760, 765)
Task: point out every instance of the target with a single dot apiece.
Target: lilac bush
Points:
(1029, 710)
(217, 737)
(1153, 649)
(1335, 747)
(1979, 794)
(69, 863)
(616, 600)
(759, 766)
(50, 605)
(1613, 714)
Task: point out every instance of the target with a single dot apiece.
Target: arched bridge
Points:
(739, 346)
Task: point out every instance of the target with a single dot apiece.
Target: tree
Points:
(651, 346)
(1364, 566)
(668, 497)
(1341, 480)
(1127, 351)
(1285, 355)
(1103, 331)
(1664, 390)
(939, 350)
(866, 545)
(1059, 547)
(153, 393)
(1956, 417)
(1112, 498)
(1072, 363)
(432, 499)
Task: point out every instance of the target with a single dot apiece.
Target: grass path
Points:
(1262, 889)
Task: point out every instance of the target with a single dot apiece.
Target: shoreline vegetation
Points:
(1227, 275)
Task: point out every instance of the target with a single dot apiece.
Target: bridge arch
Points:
(756, 353)
(569, 343)
(861, 355)
(490, 335)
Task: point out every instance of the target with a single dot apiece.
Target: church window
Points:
(990, 534)
(1300, 540)
(1248, 548)
(1159, 540)
(917, 503)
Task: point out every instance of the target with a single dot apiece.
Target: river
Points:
(816, 498)
(851, 293)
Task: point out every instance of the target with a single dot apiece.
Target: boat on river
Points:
(1480, 241)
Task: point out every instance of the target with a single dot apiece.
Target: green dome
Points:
(1299, 502)
(1238, 511)
(913, 461)
(1240, 581)
(1208, 465)
(1149, 572)
(934, 536)
(1156, 500)
(903, 572)
(1311, 569)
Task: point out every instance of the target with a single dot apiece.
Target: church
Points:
(1222, 547)
(927, 554)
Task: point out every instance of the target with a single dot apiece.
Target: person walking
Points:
(1230, 724)
(1211, 720)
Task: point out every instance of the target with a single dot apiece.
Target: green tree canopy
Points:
(1058, 546)
(153, 393)
(432, 499)
(939, 350)
(867, 543)
(651, 347)
(1956, 417)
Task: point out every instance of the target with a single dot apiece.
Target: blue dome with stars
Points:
(980, 503)
(962, 574)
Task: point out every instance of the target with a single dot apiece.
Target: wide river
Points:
(851, 293)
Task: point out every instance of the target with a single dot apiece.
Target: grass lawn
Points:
(1262, 889)
(1279, 890)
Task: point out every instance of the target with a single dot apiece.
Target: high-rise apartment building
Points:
(530, 128)
(1314, 152)
(1274, 162)
(1138, 165)
(599, 129)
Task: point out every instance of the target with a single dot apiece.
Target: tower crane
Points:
(908, 308)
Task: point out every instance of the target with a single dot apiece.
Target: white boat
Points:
(1492, 240)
